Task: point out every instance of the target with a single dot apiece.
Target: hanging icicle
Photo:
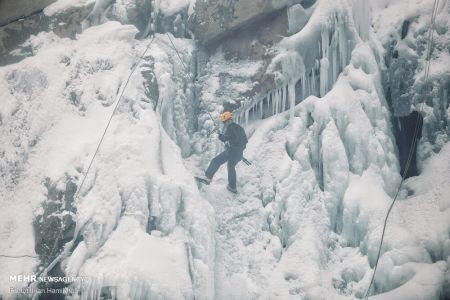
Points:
(334, 48)
(273, 102)
(291, 95)
(246, 117)
(261, 108)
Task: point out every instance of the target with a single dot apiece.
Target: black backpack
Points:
(238, 138)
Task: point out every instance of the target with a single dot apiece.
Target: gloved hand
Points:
(222, 137)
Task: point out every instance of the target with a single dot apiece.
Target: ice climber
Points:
(235, 141)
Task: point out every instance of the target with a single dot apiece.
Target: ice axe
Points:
(246, 161)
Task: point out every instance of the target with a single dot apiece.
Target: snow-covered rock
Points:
(307, 221)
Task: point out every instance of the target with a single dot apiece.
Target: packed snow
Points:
(62, 5)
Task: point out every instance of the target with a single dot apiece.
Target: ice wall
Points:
(307, 221)
(310, 61)
(311, 169)
(344, 145)
(176, 103)
(139, 212)
(406, 41)
(309, 154)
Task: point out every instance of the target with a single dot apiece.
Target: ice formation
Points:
(138, 193)
(319, 144)
(325, 173)
(333, 30)
(307, 221)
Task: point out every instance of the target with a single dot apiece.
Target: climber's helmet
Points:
(226, 116)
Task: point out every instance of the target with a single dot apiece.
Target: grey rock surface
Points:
(213, 20)
(64, 24)
(12, 9)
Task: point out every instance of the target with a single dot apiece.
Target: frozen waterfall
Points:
(316, 85)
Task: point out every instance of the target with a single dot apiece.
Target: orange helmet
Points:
(226, 116)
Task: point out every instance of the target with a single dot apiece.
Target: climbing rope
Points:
(178, 53)
(245, 160)
(19, 256)
(413, 144)
(70, 244)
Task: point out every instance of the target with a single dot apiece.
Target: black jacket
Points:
(234, 136)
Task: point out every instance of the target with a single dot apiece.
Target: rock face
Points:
(148, 17)
(65, 24)
(240, 31)
(255, 38)
(14, 9)
(213, 20)
(245, 31)
(55, 226)
(252, 44)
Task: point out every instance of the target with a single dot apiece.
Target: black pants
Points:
(229, 156)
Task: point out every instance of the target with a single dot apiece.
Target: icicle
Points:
(291, 95)
(261, 108)
(334, 69)
(308, 85)
(280, 109)
(342, 45)
(246, 117)
(316, 86)
(257, 111)
(287, 97)
(253, 112)
(325, 40)
(361, 17)
(303, 87)
(273, 102)
(283, 99)
(277, 100)
(324, 65)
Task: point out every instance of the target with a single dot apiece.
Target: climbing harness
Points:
(413, 144)
(68, 247)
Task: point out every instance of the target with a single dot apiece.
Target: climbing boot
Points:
(233, 190)
(203, 179)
